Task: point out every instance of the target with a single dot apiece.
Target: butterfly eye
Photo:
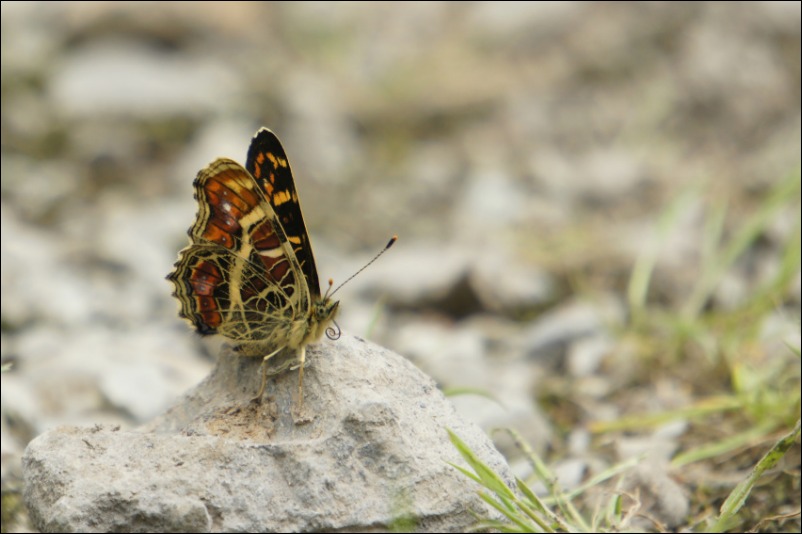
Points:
(325, 309)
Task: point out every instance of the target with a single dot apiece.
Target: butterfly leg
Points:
(264, 372)
(301, 360)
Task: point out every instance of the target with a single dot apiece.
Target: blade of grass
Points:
(638, 286)
(744, 236)
(505, 500)
(549, 480)
(456, 391)
(738, 496)
(488, 477)
(725, 445)
(697, 410)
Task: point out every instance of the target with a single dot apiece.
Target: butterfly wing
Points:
(239, 277)
(268, 164)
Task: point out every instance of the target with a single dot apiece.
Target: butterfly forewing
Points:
(268, 164)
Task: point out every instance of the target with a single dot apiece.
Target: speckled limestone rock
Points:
(367, 449)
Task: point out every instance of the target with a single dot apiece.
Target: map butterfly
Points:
(248, 273)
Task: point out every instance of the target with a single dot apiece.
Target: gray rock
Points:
(666, 500)
(367, 450)
(552, 335)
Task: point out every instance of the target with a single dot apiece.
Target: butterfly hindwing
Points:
(239, 277)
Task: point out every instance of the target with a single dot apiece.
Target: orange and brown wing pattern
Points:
(239, 276)
(268, 163)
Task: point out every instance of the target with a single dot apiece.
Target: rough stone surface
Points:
(366, 449)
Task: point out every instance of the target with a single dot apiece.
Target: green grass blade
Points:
(738, 496)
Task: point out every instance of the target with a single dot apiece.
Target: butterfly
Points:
(248, 273)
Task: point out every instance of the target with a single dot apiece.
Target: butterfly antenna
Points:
(376, 257)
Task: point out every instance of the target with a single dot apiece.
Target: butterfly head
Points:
(324, 309)
(323, 312)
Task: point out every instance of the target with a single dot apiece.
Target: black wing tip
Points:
(263, 129)
(264, 141)
(262, 134)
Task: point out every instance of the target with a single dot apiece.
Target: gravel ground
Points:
(525, 154)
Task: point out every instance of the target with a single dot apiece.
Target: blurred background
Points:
(580, 191)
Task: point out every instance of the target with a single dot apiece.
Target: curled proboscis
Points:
(334, 332)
